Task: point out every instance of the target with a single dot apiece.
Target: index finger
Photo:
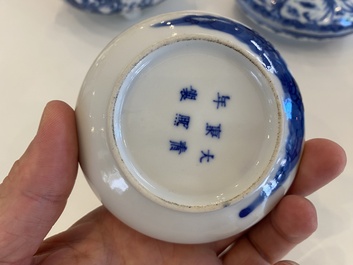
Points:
(322, 161)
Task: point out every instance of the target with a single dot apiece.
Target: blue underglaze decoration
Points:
(178, 146)
(188, 94)
(221, 100)
(292, 103)
(112, 6)
(206, 156)
(303, 19)
(214, 131)
(183, 120)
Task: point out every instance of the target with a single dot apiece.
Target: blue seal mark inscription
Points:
(271, 60)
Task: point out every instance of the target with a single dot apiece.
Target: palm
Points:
(35, 193)
(100, 238)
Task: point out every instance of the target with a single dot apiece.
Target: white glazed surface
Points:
(46, 57)
(248, 124)
(191, 205)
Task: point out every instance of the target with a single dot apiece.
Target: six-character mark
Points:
(183, 120)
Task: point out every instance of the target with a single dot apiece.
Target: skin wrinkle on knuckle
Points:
(70, 251)
(289, 239)
(46, 197)
(305, 228)
(10, 189)
(6, 243)
(266, 258)
(282, 234)
(10, 251)
(26, 174)
(16, 236)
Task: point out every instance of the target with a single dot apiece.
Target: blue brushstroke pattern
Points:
(309, 19)
(272, 62)
(112, 6)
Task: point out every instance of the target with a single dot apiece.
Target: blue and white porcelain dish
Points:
(303, 19)
(124, 7)
(191, 127)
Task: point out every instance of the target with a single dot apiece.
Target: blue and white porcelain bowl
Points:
(302, 19)
(191, 127)
(124, 7)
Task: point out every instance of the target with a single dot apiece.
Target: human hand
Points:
(35, 192)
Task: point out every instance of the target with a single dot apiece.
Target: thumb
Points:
(35, 192)
(286, 262)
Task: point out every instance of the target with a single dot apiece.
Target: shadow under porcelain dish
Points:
(190, 126)
(302, 19)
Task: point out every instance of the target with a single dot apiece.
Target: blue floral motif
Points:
(112, 6)
(303, 18)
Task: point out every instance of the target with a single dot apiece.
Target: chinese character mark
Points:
(213, 131)
(183, 120)
(188, 94)
(206, 156)
(221, 100)
(179, 147)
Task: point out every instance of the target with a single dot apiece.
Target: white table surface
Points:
(46, 48)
